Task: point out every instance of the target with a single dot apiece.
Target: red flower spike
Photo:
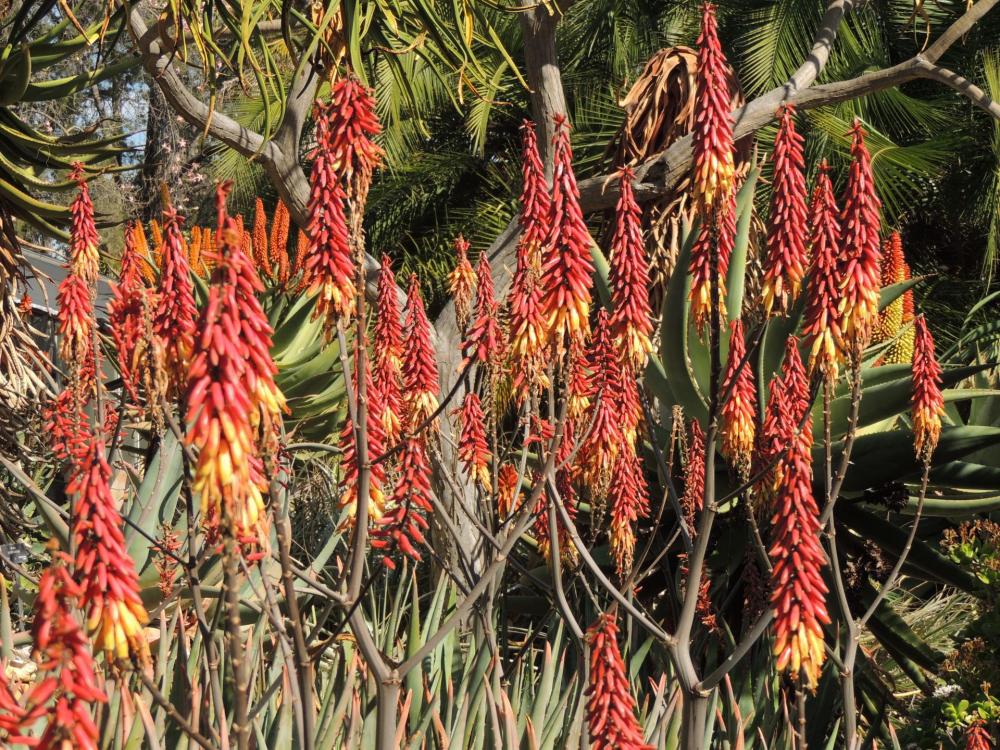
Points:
(797, 589)
(507, 503)
(567, 493)
(483, 341)
(629, 403)
(473, 450)
(328, 269)
(106, 574)
(76, 333)
(259, 240)
(601, 444)
(714, 243)
(567, 268)
(229, 389)
(823, 320)
(977, 736)
(739, 411)
(66, 425)
(892, 271)
(786, 237)
(353, 124)
(860, 252)
(376, 447)
(420, 374)
(611, 708)
(631, 322)
(524, 303)
(694, 477)
(928, 403)
(174, 318)
(900, 351)
(126, 316)
(630, 502)
(84, 240)
(405, 519)
(388, 352)
(462, 283)
(278, 243)
(579, 384)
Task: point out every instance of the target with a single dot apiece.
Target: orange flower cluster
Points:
(579, 383)
(798, 593)
(76, 331)
(630, 503)
(507, 503)
(420, 373)
(713, 190)
(601, 444)
(928, 403)
(68, 684)
(567, 268)
(786, 259)
(610, 706)
(473, 450)
(103, 568)
(860, 249)
(174, 318)
(353, 124)
(230, 384)
(388, 353)
(823, 320)
(483, 341)
(405, 521)
(631, 323)
(462, 283)
(260, 252)
(84, 240)
(977, 737)
(376, 446)
(524, 302)
(126, 316)
(694, 476)
(739, 410)
(278, 244)
(891, 271)
(66, 425)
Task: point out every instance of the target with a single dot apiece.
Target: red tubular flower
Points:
(567, 268)
(786, 237)
(278, 243)
(798, 592)
(629, 403)
(928, 403)
(694, 477)
(482, 343)
(507, 503)
(258, 238)
(388, 352)
(860, 253)
(462, 283)
(579, 384)
(601, 444)
(713, 190)
(84, 240)
(823, 324)
(68, 684)
(420, 373)
(376, 447)
(473, 450)
(76, 332)
(173, 321)
(166, 566)
(524, 303)
(25, 305)
(610, 706)
(223, 400)
(739, 410)
(977, 737)
(103, 569)
(126, 312)
(630, 502)
(66, 425)
(13, 716)
(631, 322)
(405, 520)
(892, 271)
(353, 124)
(328, 269)
(567, 494)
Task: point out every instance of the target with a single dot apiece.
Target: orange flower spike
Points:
(421, 385)
(631, 322)
(630, 502)
(694, 477)
(860, 249)
(174, 317)
(629, 403)
(404, 523)
(928, 403)
(507, 503)
(66, 426)
(68, 685)
(611, 707)
(892, 271)
(84, 259)
(462, 283)
(328, 268)
(223, 399)
(259, 240)
(798, 592)
(579, 384)
(146, 266)
(536, 202)
(103, 568)
(387, 353)
(823, 326)
(977, 736)
(278, 243)
(126, 315)
(600, 447)
(376, 447)
(353, 125)
(567, 268)
(739, 410)
(900, 351)
(786, 259)
(483, 342)
(76, 331)
(473, 450)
